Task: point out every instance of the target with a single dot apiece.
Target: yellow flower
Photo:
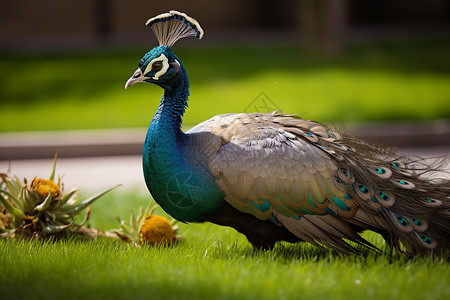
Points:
(156, 231)
(45, 186)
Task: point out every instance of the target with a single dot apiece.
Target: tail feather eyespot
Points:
(426, 240)
(432, 202)
(419, 225)
(363, 191)
(385, 198)
(403, 184)
(401, 222)
(381, 172)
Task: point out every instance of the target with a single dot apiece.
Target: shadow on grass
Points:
(287, 253)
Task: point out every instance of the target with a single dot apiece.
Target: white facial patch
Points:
(165, 66)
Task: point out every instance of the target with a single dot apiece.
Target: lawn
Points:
(373, 81)
(212, 263)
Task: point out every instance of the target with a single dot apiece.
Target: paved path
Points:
(114, 142)
(89, 173)
(97, 173)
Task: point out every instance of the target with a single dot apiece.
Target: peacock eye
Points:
(157, 66)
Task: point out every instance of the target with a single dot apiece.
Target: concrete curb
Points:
(118, 142)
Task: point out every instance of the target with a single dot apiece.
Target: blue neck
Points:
(172, 106)
(164, 136)
(183, 191)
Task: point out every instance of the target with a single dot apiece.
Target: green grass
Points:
(212, 263)
(383, 81)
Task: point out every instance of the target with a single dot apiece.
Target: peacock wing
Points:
(268, 167)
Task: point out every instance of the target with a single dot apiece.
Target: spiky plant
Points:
(40, 208)
(148, 228)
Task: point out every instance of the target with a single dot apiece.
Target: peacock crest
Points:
(172, 26)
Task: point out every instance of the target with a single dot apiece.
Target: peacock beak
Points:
(137, 77)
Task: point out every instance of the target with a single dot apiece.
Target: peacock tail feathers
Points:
(400, 193)
(395, 194)
(172, 26)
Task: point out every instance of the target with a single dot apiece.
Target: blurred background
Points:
(380, 66)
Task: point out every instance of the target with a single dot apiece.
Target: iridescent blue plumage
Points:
(174, 179)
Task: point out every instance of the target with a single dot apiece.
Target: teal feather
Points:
(261, 207)
(340, 203)
(311, 201)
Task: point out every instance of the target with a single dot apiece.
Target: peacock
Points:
(277, 177)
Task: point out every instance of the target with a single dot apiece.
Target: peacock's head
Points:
(160, 65)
